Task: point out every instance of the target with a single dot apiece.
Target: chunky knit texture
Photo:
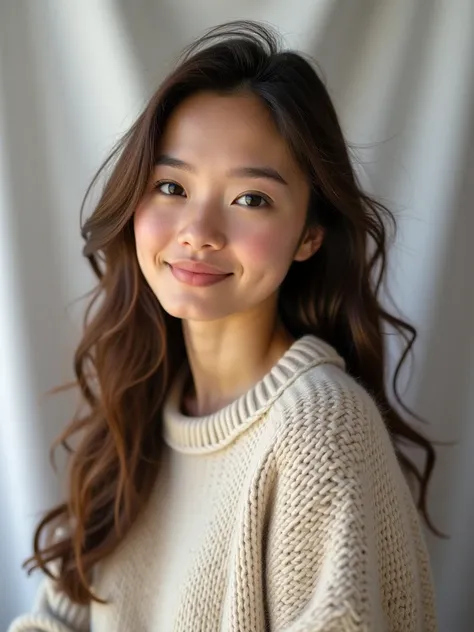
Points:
(285, 511)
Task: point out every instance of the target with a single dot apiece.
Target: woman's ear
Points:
(310, 244)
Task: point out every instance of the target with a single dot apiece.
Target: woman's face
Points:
(225, 192)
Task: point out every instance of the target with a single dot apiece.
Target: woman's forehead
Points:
(232, 130)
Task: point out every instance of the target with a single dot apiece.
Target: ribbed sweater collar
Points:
(200, 435)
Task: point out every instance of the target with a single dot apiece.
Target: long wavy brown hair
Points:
(131, 348)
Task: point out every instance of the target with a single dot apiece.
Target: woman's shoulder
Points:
(327, 410)
(326, 389)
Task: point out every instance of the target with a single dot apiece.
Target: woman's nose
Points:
(202, 230)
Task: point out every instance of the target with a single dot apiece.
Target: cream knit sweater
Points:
(284, 511)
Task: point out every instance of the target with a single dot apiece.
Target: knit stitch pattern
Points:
(286, 511)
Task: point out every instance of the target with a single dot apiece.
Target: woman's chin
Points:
(191, 310)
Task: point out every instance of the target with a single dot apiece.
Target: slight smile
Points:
(196, 273)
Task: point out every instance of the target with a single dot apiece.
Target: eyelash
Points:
(267, 201)
(160, 183)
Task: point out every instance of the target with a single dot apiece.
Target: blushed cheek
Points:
(269, 251)
(152, 231)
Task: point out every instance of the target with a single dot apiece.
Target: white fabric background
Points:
(73, 75)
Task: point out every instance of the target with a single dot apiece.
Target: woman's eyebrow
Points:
(169, 161)
(238, 172)
(258, 172)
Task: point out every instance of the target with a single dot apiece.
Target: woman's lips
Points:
(197, 279)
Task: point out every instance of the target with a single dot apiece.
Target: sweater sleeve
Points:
(52, 612)
(345, 551)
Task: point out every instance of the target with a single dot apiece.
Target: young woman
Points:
(238, 464)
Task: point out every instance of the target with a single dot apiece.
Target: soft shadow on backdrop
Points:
(72, 78)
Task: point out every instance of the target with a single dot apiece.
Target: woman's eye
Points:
(170, 188)
(252, 200)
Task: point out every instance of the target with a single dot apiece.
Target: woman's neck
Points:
(227, 359)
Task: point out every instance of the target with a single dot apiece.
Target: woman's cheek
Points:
(268, 248)
(151, 228)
